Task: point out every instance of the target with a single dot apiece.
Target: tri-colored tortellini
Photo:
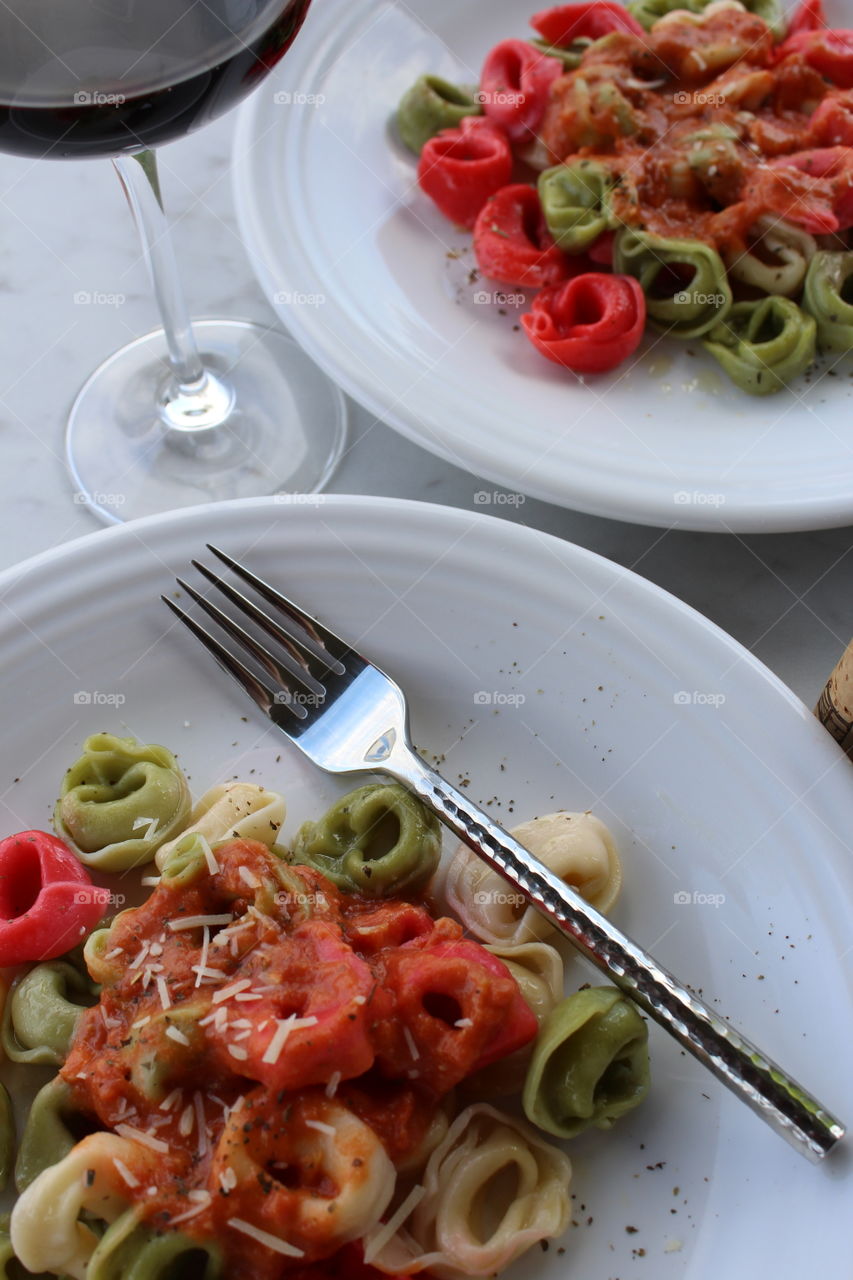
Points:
(120, 802)
(130, 1251)
(648, 12)
(466, 1219)
(829, 299)
(777, 258)
(590, 1064)
(378, 840)
(764, 345)
(574, 199)
(433, 104)
(577, 847)
(42, 1011)
(51, 1225)
(685, 282)
(232, 811)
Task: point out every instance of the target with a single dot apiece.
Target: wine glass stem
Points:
(195, 400)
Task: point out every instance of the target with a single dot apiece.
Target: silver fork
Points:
(349, 717)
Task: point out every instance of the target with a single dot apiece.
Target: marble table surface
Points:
(65, 230)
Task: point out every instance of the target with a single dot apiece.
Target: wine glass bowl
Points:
(167, 422)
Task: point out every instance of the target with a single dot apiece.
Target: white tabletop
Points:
(66, 232)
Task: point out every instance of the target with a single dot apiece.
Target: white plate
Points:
(715, 779)
(354, 259)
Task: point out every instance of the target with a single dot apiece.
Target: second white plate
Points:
(374, 283)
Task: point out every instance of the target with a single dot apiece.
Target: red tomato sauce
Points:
(687, 118)
(238, 1010)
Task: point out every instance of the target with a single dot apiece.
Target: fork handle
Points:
(755, 1078)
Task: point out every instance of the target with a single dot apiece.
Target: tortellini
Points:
(48, 1232)
(42, 1011)
(538, 970)
(685, 282)
(777, 259)
(574, 201)
(432, 104)
(378, 840)
(456, 1230)
(47, 1136)
(130, 1251)
(120, 802)
(764, 345)
(829, 299)
(233, 811)
(590, 1064)
(322, 1143)
(648, 12)
(576, 846)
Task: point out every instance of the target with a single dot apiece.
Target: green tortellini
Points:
(433, 104)
(120, 801)
(10, 1267)
(574, 202)
(378, 840)
(570, 56)
(764, 345)
(685, 283)
(7, 1138)
(647, 12)
(130, 1251)
(590, 1064)
(42, 1011)
(47, 1136)
(186, 860)
(829, 298)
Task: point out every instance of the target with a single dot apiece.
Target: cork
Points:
(835, 705)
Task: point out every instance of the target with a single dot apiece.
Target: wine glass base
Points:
(284, 435)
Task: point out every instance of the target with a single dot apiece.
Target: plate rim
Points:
(762, 511)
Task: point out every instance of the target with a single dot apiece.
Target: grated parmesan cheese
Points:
(186, 1122)
(198, 922)
(248, 877)
(263, 1237)
(237, 1051)
(332, 1086)
(130, 1178)
(231, 990)
(163, 992)
(139, 1135)
(174, 1034)
(410, 1042)
(376, 1240)
(321, 1127)
(169, 1102)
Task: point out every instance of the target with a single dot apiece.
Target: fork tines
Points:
(308, 653)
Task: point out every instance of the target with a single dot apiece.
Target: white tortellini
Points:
(234, 810)
(491, 1189)
(46, 1230)
(777, 259)
(576, 846)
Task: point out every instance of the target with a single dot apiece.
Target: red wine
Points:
(100, 77)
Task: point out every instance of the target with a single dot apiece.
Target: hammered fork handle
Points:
(784, 1104)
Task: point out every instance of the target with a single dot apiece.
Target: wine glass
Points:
(186, 414)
